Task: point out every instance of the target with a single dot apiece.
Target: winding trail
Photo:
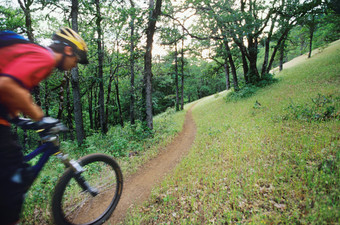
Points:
(137, 188)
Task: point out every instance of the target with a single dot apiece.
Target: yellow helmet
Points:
(69, 37)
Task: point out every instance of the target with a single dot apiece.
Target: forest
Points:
(149, 56)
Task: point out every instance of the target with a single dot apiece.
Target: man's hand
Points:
(17, 99)
(45, 123)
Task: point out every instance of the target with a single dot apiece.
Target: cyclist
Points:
(22, 66)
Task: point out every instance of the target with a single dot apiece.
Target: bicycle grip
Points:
(45, 123)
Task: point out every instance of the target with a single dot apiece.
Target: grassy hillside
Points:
(268, 159)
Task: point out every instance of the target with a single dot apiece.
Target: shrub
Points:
(266, 79)
(244, 92)
(322, 108)
(250, 89)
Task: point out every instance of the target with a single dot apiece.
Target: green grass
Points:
(258, 160)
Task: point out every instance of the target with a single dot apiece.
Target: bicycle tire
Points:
(106, 177)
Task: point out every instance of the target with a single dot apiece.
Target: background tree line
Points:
(211, 46)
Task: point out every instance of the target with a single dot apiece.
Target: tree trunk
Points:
(61, 98)
(266, 56)
(121, 121)
(46, 101)
(77, 106)
(251, 74)
(132, 66)
(232, 65)
(267, 47)
(96, 111)
(227, 77)
(90, 97)
(182, 73)
(25, 6)
(272, 59)
(276, 47)
(103, 125)
(176, 78)
(245, 67)
(282, 53)
(147, 93)
(108, 96)
(69, 120)
(310, 44)
(311, 34)
(254, 76)
(112, 75)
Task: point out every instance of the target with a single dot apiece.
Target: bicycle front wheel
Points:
(72, 205)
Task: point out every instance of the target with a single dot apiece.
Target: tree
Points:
(182, 73)
(11, 19)
(176, 77)
(103, 124)
(227, 72)
(25, 5)
(77, 106)
(290, 13)
(170, 37)
(311, 24)
(154, 12)
(246, 23)
(132, 62)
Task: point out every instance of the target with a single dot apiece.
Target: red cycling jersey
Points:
(26, 63)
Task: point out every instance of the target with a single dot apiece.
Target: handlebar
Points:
(46, 126)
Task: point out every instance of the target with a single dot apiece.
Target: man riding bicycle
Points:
(23, 65)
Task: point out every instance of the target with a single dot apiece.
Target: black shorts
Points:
(11, 193)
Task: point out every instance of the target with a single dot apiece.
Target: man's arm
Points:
(17, 99)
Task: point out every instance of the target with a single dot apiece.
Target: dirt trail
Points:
(137, 188)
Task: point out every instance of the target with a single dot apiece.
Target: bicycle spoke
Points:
(83, 205)
(73, 205)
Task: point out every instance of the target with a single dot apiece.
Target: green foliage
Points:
(202, 79)
(38, 198)
(244, 92)
(120, 141)
(249, 89)
(326, 31)
(11, 19)
(266, 79)
(321, 108)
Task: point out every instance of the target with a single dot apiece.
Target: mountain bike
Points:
(89, 189)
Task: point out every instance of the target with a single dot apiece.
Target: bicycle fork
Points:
(77, 170)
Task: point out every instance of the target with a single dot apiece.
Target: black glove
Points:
(22, 122)
(45, 123)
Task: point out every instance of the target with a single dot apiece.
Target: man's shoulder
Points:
(28, 63)
(34, 52)
(34, 48)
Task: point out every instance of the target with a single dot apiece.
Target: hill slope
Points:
(270, 158)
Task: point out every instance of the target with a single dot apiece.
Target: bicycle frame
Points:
(51, 147)
(46, 149)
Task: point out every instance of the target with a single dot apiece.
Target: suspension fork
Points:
(77, 171)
